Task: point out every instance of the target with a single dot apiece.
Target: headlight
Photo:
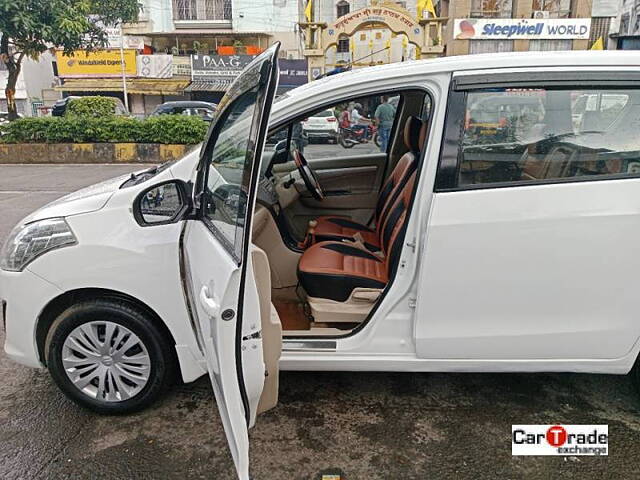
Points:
(28, 242)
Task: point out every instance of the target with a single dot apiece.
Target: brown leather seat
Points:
(332, 269)
(338, 228)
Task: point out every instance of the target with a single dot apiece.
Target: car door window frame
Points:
(447, 177)
(203, 164)
(348, 98)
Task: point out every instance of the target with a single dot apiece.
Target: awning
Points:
(210, 86)
(145, 86)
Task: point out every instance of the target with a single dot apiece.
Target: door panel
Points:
(216, 294)
(351, 186)
(537, 272)
(221, 283)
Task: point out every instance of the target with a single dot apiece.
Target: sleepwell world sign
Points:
(522, 29)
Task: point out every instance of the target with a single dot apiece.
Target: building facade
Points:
(626, 35)
(35, 89)
(186, 50)
(488, 26)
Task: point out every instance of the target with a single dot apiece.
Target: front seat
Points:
(339, 228)
(332, 270)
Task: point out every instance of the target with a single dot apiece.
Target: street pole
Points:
(124, 78)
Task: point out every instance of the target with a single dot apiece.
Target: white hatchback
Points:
(467, 245)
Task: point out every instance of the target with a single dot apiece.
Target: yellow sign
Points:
(101, 63)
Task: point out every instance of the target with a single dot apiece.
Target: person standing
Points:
(384, 117)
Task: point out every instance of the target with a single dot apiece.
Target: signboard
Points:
(217, 67)
(396, 19)
(101, 63)
(155, 66)
(114, 39)
(293, 73)
(522, 29)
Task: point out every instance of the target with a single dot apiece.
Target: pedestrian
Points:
(384, 117)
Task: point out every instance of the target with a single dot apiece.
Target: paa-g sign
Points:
(518, 29)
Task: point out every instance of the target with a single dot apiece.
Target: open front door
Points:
(217, 262)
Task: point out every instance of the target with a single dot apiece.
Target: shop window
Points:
(491, 8)
(202, 9)
(554, 8)
(517, 135)
(490, 46)
(343, 45)
(342, 8)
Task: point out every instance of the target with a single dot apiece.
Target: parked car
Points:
(322, 125)
(4, 117)
(513, 256)
(205, 110)
(60, 106)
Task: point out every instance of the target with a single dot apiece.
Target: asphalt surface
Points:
(365, 425)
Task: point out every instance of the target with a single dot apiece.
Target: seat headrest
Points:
(412, 133)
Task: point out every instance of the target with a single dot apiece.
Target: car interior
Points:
(331, 220)
(546, 134)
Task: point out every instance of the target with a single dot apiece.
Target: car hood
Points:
(88, 199)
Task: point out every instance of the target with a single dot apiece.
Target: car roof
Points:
(480, 62)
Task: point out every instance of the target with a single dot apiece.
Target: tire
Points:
(376, 140)
(344, 142)
(139, 374)
(634, 375)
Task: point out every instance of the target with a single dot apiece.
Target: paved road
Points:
(369, 425)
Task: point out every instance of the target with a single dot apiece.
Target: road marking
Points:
(35, 191)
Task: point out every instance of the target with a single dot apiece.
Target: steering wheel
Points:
(308, 175)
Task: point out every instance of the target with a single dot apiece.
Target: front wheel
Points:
(376, 140)
(108, 356)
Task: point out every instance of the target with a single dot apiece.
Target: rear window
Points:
(517, 135)
(324, 113)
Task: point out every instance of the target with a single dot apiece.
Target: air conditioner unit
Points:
(540, 14)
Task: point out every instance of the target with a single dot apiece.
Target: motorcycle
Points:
(348, 137)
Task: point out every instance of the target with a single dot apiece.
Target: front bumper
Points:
(25, 295)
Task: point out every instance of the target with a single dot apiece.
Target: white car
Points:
(322, 125)
(458, 249)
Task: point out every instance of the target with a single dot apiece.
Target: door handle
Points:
(209, 302)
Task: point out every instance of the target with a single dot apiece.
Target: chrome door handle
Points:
(209, 302)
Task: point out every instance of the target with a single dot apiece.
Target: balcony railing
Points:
(202, 10)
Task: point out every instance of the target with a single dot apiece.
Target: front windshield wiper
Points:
(138, 178)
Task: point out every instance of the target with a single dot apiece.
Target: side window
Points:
(361, 126)
(517, 135)
(229, 173)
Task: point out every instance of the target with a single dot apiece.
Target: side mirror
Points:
(163, 203)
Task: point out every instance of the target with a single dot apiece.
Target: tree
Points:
(30, 27)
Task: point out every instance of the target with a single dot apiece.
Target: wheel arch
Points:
(59, 304)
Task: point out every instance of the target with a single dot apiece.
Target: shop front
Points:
(212, 75)
(149, 79)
